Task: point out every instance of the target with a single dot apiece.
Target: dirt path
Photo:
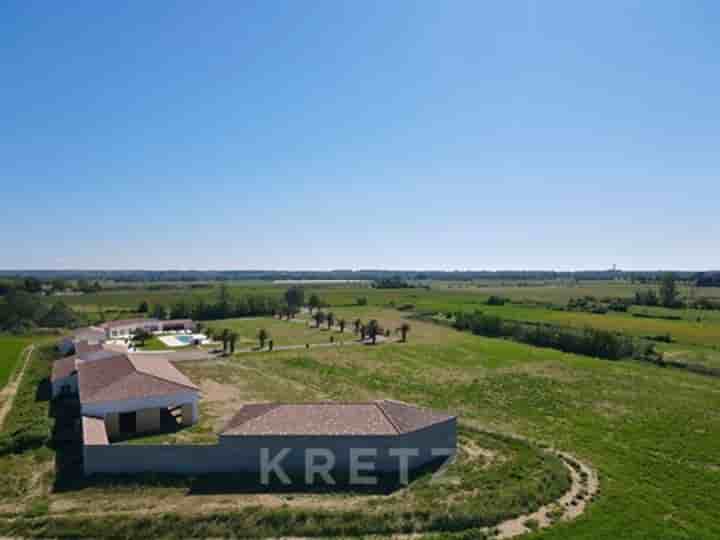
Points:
(8, 393)
(583, 488)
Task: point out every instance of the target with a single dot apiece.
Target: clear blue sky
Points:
(329, 134)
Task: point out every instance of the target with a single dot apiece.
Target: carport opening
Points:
(128, 422)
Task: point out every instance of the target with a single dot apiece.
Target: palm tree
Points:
(262, 336)
(341, 324)
(357, 324)
(373, 329)
(233, 337)
(330, 320)
(404, 329)
(140, 335)
(314, 302)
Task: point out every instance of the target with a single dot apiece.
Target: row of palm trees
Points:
(229, 338)
(370, 330)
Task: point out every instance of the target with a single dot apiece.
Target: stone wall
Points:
(243, 454)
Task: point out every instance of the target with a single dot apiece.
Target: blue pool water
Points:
(184, 339)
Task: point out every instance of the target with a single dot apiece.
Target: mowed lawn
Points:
(10, 354)
(283, 332)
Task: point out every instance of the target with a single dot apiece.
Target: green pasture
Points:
(10, 355)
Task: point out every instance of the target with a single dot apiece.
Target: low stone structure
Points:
(345, 433)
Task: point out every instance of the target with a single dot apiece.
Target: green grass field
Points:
(10, 355)
(650, 432)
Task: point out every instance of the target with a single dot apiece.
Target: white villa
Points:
(122, 329)
(128, 393)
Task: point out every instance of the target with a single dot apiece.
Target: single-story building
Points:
(385, 436)
(380, 426)
(125, 328)
(131, 392)
(94, 336)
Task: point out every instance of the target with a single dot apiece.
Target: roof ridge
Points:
(378, 404)
(148, 374)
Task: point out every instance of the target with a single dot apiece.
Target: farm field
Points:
(649, 432)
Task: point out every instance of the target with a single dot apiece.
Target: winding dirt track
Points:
(583, 488)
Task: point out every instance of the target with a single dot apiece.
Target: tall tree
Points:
(32, 285)
(59, 284)
(341, 324)
(330, 320)
(668, 291)
(233, 337)
(314, 302)
(140, 335)
(262, 336)
(357, 324)
(224, 301)
(295, 296)
(159, 311)
(225, 336)
(319, 318)
(373, 329)
(143, 307)
(404, 329)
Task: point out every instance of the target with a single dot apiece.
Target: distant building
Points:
(121, 329)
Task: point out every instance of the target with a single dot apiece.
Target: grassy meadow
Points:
(10, 356)
(649, 432)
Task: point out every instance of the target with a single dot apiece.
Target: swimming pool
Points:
(186, 340)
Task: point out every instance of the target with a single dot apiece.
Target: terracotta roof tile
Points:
(408, 417)
(129, 322)
(63, 367)
(117, 379)
(373, 418)
(83, 347)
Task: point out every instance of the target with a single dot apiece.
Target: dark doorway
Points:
(128, 422)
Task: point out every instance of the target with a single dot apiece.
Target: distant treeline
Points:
(709, 279)
(587, 341)
(21, 312)
(228, 305)
(366, 275)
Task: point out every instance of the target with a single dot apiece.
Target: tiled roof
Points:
(129, 322)
(121, 378)
(63, 367)
(90, 333)
(83, 347)
(159, 367)
(408, 417)
(101, 354)
(373, 418)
